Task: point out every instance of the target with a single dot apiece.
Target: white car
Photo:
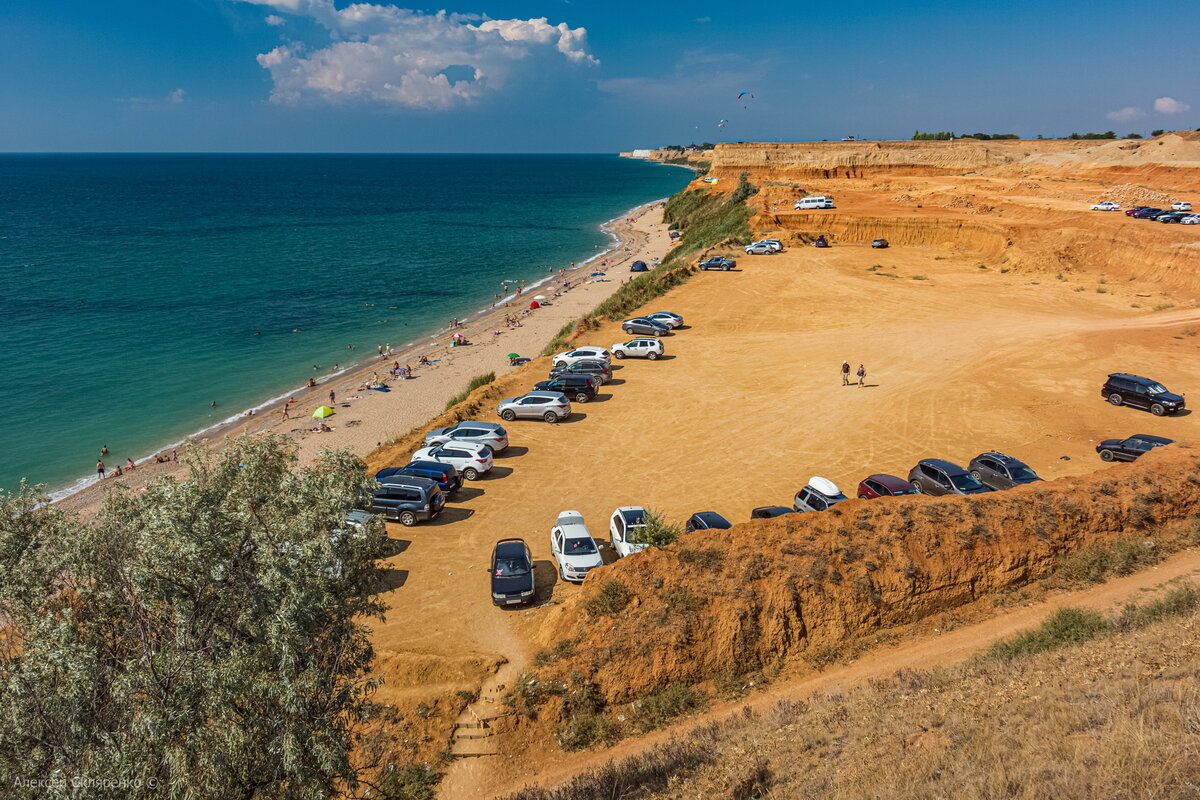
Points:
(818, 495)
(666, 318)
(760, 249)
(1182, 205)
(469, 458)
(775, 245)
(623, 530)
(815, 201)
(1107, 205)
(638, 348)
(550, 406)
(1194, 219)
(573, 547)
(582, 354)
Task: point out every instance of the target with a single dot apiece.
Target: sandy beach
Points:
(366, 418)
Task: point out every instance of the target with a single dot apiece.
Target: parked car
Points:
(770, 512)
(623, 528)
(580, 388)
(1130, 449)
(880, 485)
(815, 201)
(999, 471)
(1122, 389)
(582, 354)
(1147, 213)
(1106, 205)
(759, 249)
(666, 318)
(573, 547)
(445, 476)
(599, 371)
(1193, 219)
(489, 433)
(718, 262)
(408, 500)
(937, 477)
(1182, 205)
(512, 573)
(644, 327)
(821, 241)
(706, 521)
(550, 406)
(1129, 212)
(1174, 216)
(469, 458)
(639, 266)
(638, 348)
(879, 244)
(774, 245)
(818, 495)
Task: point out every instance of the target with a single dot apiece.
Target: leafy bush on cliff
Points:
(1065, 627)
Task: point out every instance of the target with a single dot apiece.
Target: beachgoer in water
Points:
(103, 450)
(214, 404)
(100, 468)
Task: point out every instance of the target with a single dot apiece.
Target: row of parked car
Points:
(466, 451)
(1180, 212)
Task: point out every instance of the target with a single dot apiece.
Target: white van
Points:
(815, 201)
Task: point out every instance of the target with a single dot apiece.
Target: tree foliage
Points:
(203, 638)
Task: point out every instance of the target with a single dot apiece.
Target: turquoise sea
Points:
(137, 289)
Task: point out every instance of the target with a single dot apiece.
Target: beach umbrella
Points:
(539, 297)
(323, 412)
(514, 355)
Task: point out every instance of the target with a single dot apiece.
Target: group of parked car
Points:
(764, 247)
(1180, 212)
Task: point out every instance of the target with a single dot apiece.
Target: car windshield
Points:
(965, 482)
(511, 568)
(1156, 388)
(1021, 473)
(634, 517)
(905, 490)
(579, 547)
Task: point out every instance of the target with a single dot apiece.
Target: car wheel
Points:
(408, 519)
(581, 398)
(619, 353)
(652, 355)
(726, 269)
(508, 415)
(1157, 410)
(863, 497)
(975, 474)
(550, 416)
(917, 485)
(1106, 455)
(471, 474)
(1116, 399)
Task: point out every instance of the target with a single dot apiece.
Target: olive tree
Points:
(202, 638)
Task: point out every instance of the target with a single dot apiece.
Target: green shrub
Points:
(1103, 560)
(1179, 602)
(476, 382)
(408, 782)
(680, 600)
(707, 558)
(1067, 626)
(587, 730)
(611, 598)
(657, 532)
(563, 648)
(663, 706)
(559, 342)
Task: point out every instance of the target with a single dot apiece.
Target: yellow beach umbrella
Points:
(323, 412)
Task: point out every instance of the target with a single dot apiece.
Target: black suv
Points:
(707, 521)
(935, 476)
(512, 573)
(1122, 389)
(578, 387)
(1130, 449)
(408, 500)
(999, 471)
(596, 369)
(445, 476)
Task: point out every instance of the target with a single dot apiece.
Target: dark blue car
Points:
(445, 476)
(512, 573)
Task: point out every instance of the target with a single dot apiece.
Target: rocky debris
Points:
(1129, 194)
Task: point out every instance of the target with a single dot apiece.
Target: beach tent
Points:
(535, 304)
(639, 266)
(323, 412)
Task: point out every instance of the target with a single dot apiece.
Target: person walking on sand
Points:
(285, 411)
(332, 396)
(862, 374)
(845, 373)
(100, 469)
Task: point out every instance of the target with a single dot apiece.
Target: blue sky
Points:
(492, 76)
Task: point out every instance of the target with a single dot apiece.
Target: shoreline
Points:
(86, 493)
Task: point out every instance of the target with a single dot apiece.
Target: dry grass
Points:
(1115, 717)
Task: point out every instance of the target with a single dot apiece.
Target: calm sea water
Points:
(138, 289)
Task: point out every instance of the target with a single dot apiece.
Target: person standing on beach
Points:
(845, 373)
(862, 374)
(285, 411)
(331, 396)
(100, 469)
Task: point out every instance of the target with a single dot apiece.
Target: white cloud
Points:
(275, 20)
(1169, 105)
(396, 56)
(703, 20)
(1126, 114)
(176, 96)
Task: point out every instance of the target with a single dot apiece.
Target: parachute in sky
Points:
(745, 94)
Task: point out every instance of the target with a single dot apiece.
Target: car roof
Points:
(420, 463)
(410, 481)
(890, 481)
(1003, 458)
(477, 447)
(359, 517)
(778, 510)
(466, 423)
(507, 548)
(1130, 377)
(542, 395)
(942, 464)
(712, 519)
(1146, 437)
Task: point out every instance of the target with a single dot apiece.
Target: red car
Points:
(884, 486)
(1131, 211)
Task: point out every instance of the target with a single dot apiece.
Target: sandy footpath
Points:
(365, 418)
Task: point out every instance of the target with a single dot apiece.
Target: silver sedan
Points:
(550, 406)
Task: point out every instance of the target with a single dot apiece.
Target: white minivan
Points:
(816, 201)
